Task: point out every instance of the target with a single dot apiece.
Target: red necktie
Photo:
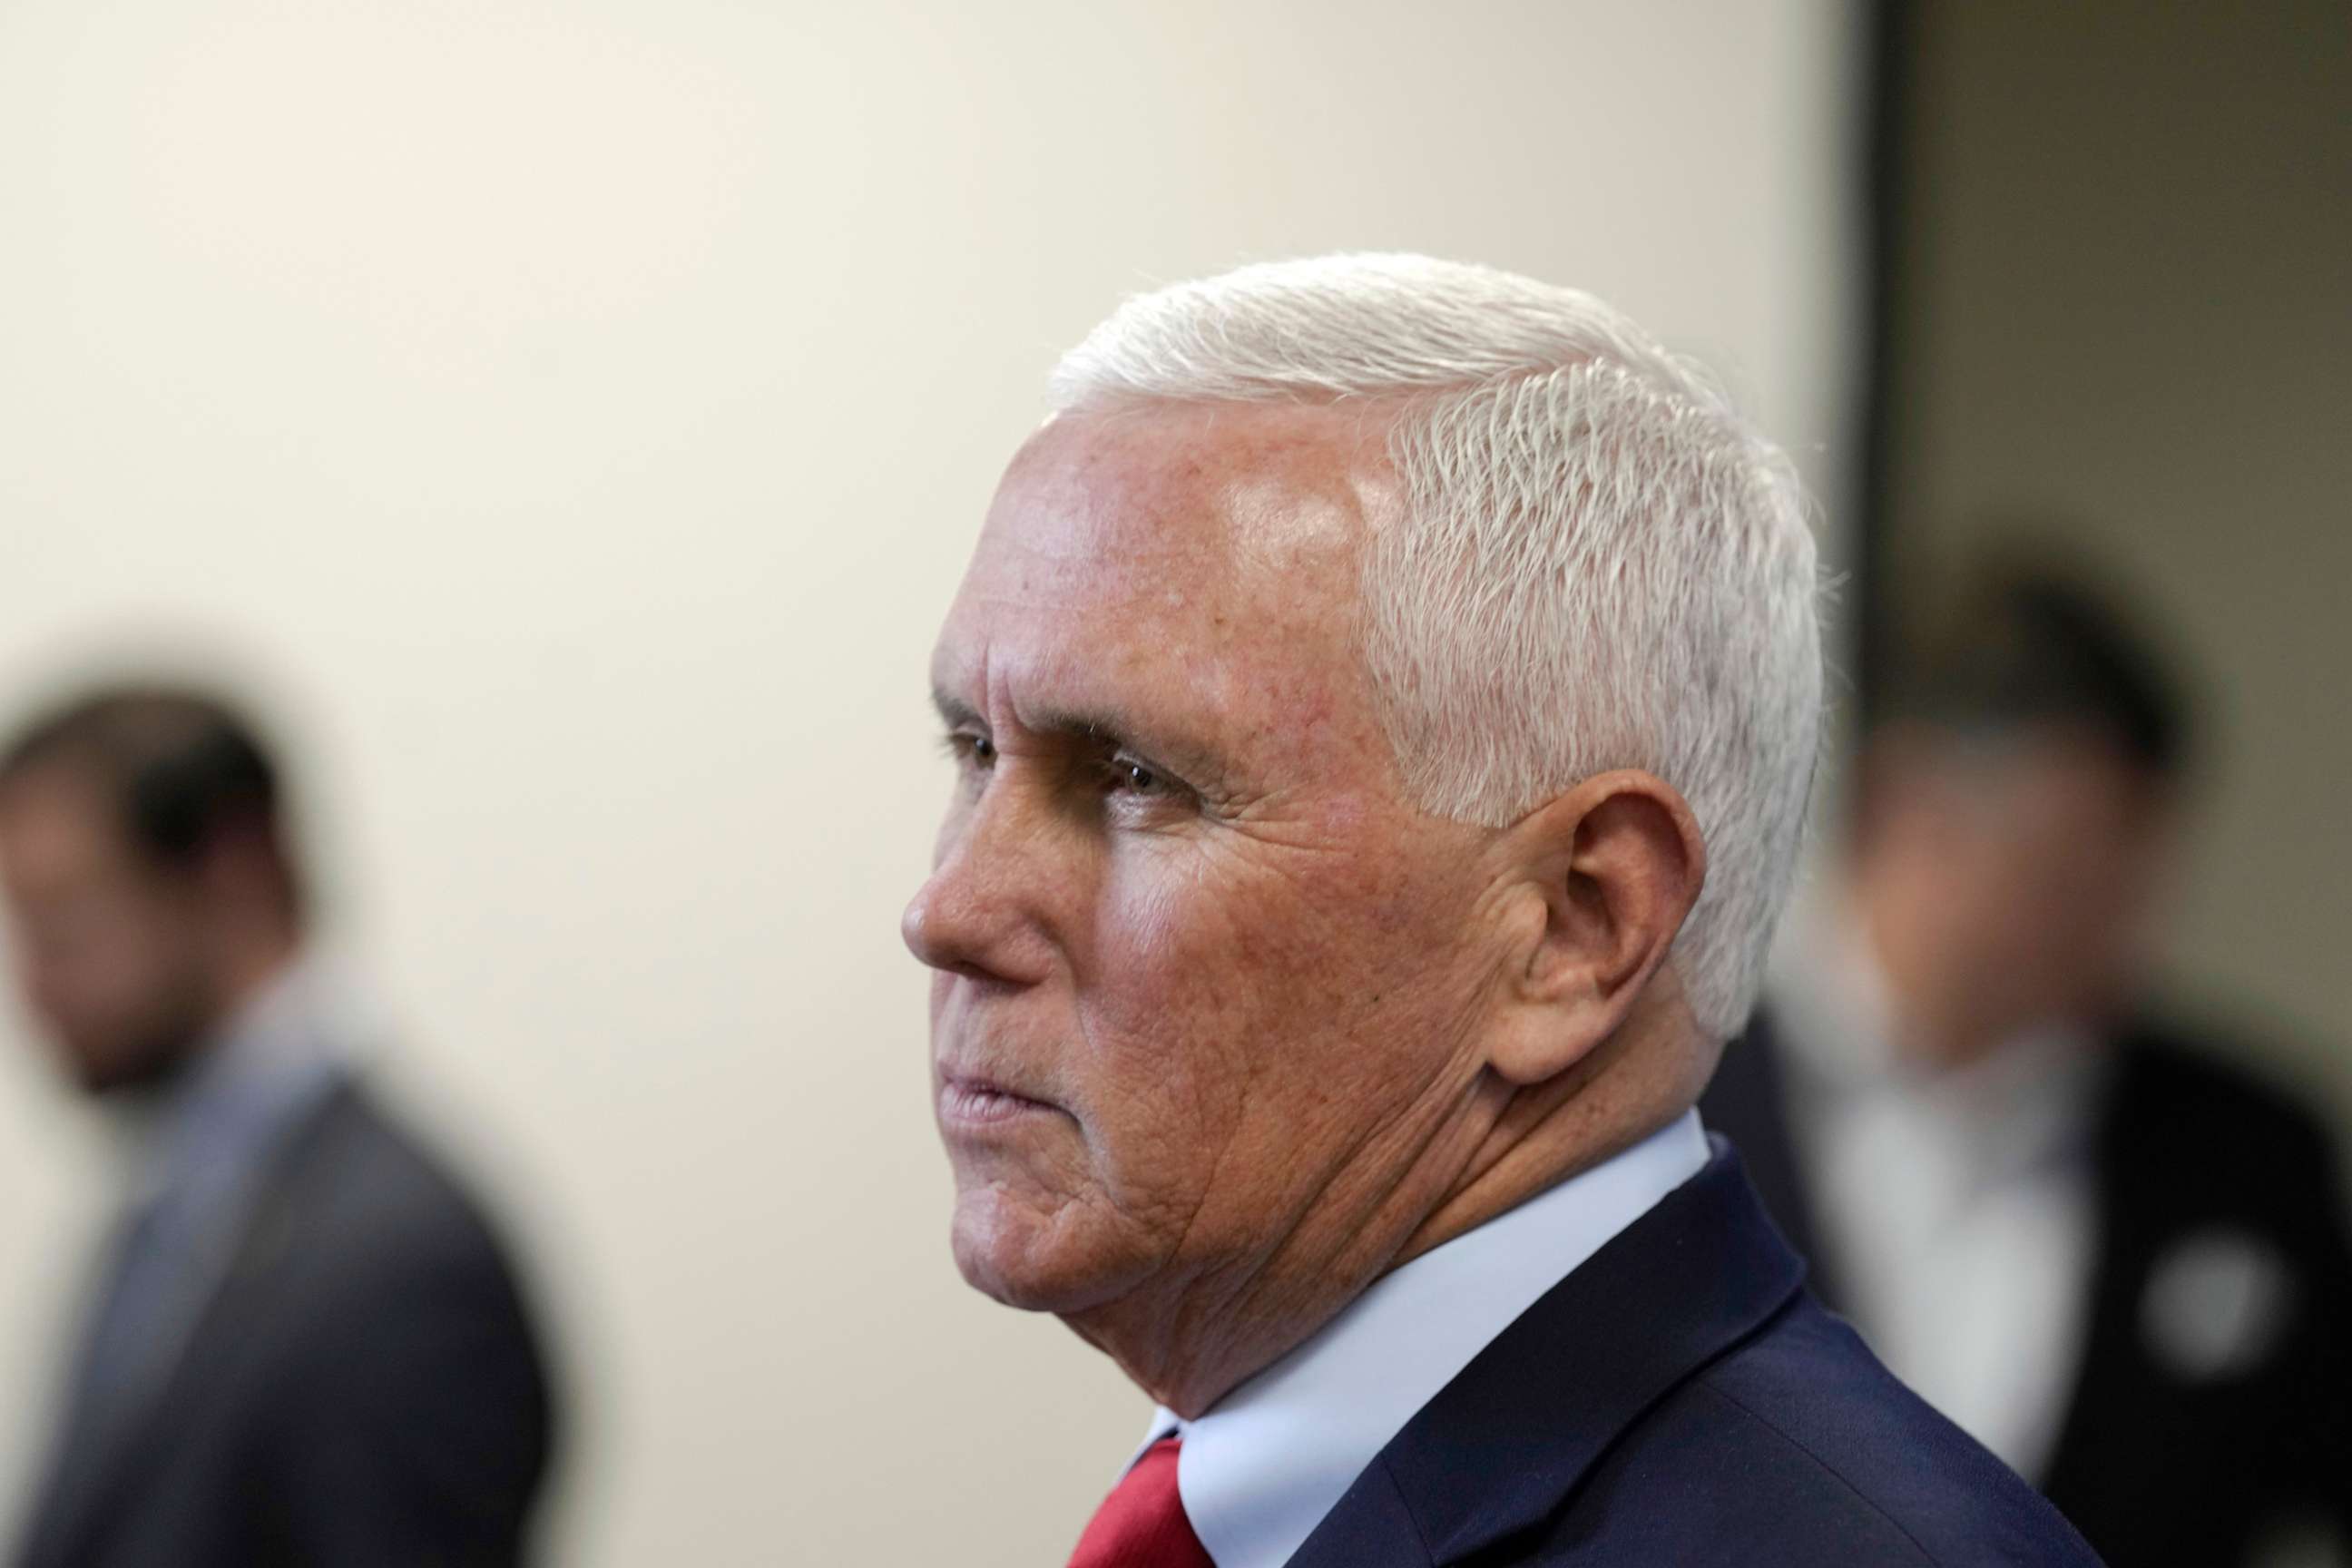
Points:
(1142, 1524)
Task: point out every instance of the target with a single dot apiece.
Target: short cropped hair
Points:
(1601, 564)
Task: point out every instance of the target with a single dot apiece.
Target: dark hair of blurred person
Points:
(2108, 1252)
(305, 1345)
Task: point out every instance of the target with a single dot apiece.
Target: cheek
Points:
(1211, 955)
(138, 977)
(1229, 995)
(114, 993)
(1167, 1010)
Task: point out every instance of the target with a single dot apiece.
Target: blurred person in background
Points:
(2114, 1257)
(1355, 683)
(305, 1346)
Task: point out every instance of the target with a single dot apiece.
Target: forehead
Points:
(1206, 550)
(2042, 783)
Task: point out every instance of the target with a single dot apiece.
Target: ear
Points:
(1599, 883)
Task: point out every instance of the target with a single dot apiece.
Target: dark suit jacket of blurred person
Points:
(305, 1346)
(2162, 1456)
(362, 1384)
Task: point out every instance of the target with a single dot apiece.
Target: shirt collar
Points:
(269, 1059)
(1259, 1471)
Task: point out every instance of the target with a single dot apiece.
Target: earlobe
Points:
(1615, 865)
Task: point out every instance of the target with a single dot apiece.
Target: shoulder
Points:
(389, 1301)
(1810, 1385)
(396, 1393)
(2188, 1128)
(365, 1166)
(2166, 1080)
(373, 1225)
(1800, 1446)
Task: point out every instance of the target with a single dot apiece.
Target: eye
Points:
(1129, 776)
(971, 751)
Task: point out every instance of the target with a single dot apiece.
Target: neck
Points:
(245, 970)
(1495, 1146)
(249, 963)
(138, 1099)
(1626, 1089)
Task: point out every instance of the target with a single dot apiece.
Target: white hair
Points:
(1601, 565)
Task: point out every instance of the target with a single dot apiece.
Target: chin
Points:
(99, 1072)
(1012, 1253)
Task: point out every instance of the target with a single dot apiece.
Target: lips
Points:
(978, 1100)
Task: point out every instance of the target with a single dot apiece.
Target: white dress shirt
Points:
(1259, 1471)
(1958, 1207)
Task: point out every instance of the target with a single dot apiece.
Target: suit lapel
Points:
(85, 1481)
(1505, 1443)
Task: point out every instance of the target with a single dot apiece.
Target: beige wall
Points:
(572, 420)
(2127, 311)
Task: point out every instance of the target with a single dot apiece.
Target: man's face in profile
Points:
(1200, 973)
(107, 947)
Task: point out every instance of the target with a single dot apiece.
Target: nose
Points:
(979, 913)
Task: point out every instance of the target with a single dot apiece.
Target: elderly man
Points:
(1383, 701)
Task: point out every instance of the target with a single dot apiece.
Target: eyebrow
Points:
(955, 710)
(1100, 727)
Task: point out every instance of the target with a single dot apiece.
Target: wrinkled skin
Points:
(1216, 1011)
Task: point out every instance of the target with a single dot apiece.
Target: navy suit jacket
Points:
(1681, 1399)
